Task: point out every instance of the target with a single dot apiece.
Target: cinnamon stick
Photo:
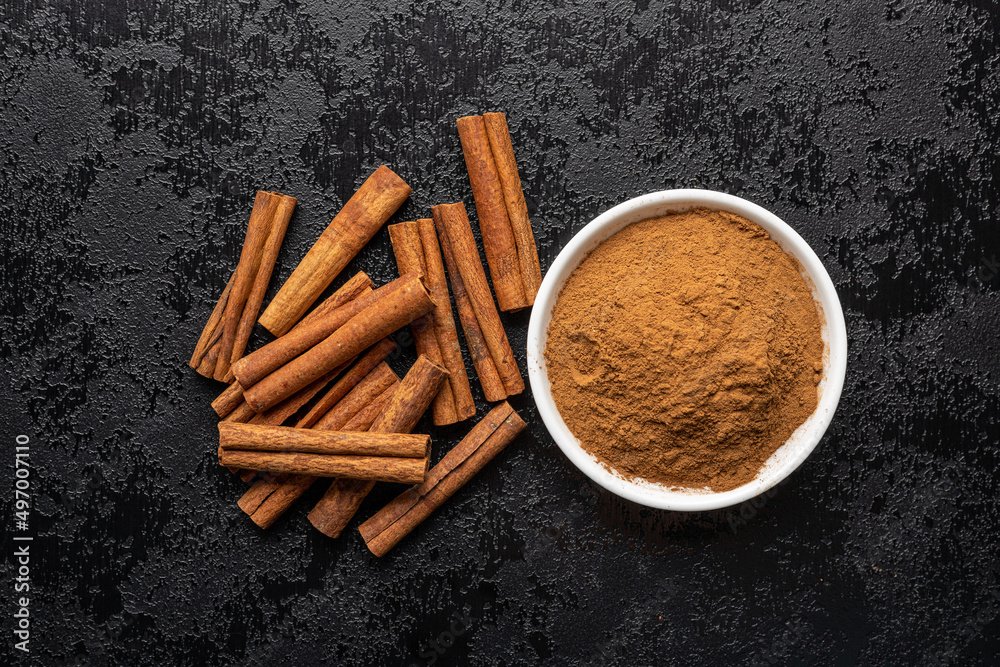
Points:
(262, 219)
(375, 382)
(489, 379)
(364, 213)
(244, 414)
(210, 335)
(228, 400)
(513, 195)
(341, 501)
(355, 286)
(393, 522)
(207, 366)
(262, 277)
(498, 237)
(376, 468)
(351, 380)
(344, 304)
(269, 497)
(444, 322)
(408, 248)
(241, 414)
(410, 401)
(278, 413)
(456, 232)
(366, 416)
(228, 329)
(288, 439)
(272, 495)
(396, 309)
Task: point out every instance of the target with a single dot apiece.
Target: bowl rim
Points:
(805, 439)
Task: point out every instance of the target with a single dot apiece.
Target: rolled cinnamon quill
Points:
(369, 370)
(517, 209)
(416, 248)
(486, 439)
(225, 337)
(375, 468)
(498, 238)
(269, 497)
(261, 279)
(344, 304)
(228, 400)
(356, 410)
(228, 329)
(356, 285)
(503, 216)
(489, 379)
(364, 213)
(258, 438)
(244, 414)
(459, 248)
(375, 383)
(341, 501)
(444, 322)
(396, 309)
(206, 350)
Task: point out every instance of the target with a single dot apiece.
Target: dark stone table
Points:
(133, 137)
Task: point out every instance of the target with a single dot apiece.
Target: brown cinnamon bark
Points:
(444, 322)
(489, 379)
(376, 468)
(262, 219)
(456, 232)
(228, 400)
(269, 497)
(352, 379)
(513, 195)
(409, 251)
(394, 521)
(242, 413)
(210, 335)
(340, 502)
(396, 309)
(357, 285)
(366, 416)
(375, 382)
(409, 402)
(272, 495)
(225, 336)
(262, 277)
(278, 413)
(288, 439)
(364, 213)
(306, 334)
(207, 366)
(498, 237)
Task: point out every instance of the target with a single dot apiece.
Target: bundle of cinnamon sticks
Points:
(320, 401)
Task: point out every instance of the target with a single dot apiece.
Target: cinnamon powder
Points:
(685, 350)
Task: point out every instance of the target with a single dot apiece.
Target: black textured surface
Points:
(133, 135)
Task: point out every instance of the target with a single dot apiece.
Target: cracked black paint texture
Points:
(133, 136)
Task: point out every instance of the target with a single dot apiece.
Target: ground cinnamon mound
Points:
(685, 350)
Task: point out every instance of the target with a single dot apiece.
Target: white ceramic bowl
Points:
(801, 442)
